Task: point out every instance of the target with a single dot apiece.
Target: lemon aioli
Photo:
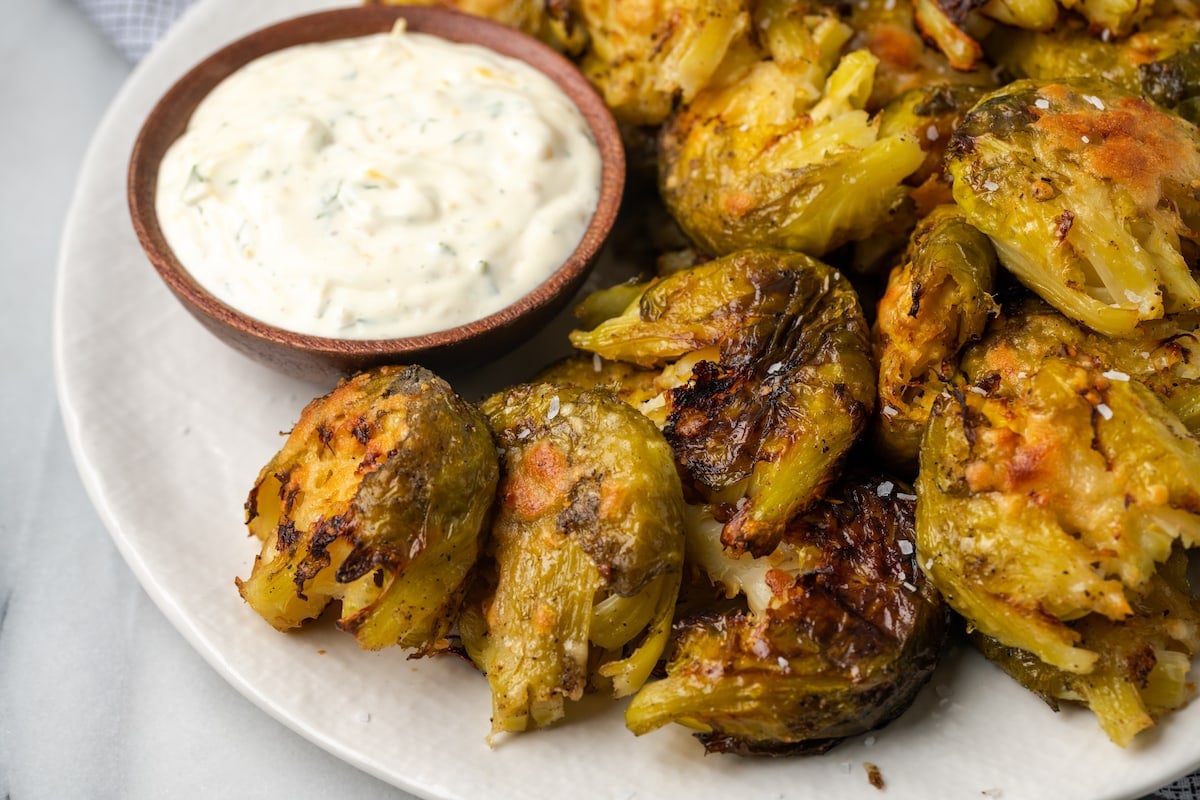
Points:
(383, 186)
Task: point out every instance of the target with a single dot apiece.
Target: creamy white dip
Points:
(384, 186)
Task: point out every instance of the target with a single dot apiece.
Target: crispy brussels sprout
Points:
(1144, 659)
(555, 23)
(1164, 355)
(770, 356)
(1087, 193)
(645, 57)
(588, 551)
(929, 116)
(1112, 17)
(938, 300)
(852, 630)
(380, 497)
(943, 25)
(1050, 490)
(633, 384)
(888, 30)
(755, 162)
(1161, 62)
(1105, 18)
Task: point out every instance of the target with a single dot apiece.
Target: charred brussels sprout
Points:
(851, 632)
(929, 116)
(1164, 355)
(1161, 62)
(937, 302)
(769, 354)
(906, 63)
(1087, 193)
(380, 497)
(644, 57)
(588, 551)
(758, 162)
(1051, 490)
(1144, 659)
(633, 384)
(555, 23)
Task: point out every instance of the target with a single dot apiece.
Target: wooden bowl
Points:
(320, 358)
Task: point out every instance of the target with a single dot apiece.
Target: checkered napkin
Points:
(1184, 789)
(134, 25)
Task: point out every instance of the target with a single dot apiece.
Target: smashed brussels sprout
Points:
(587, 548)
(380, 497)
(1144, 658)
(1051, 489)
(555, 23)
(646, 57)
(769, 355)
(1164, 355)
(1161, 61)
(1087, 193)
(850, 634)
(938, 300)
(758, 162)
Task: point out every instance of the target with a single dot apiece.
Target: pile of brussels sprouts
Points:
(913, 352)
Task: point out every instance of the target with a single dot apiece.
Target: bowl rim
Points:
(172, 113)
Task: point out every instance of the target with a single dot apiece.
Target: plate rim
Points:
(72, 417)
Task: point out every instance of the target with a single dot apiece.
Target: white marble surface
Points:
(99, 696)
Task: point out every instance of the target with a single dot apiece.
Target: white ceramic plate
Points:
(169, 429)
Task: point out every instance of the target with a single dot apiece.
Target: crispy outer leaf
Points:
(1144, 659)
(1051, 491)
(590, 510)
(937, 301)
(783, 390)
(850, 634)
(380, 498)
(1087, 192)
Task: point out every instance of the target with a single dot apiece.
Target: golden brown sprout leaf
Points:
(380, 498)
(1087, 193)
(1050, 490)
(936, 303)
(588, 552)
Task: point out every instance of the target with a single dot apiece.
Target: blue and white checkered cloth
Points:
(135, 25)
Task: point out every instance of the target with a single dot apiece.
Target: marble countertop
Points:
(99, 695)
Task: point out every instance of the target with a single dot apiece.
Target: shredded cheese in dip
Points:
(384, 186)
